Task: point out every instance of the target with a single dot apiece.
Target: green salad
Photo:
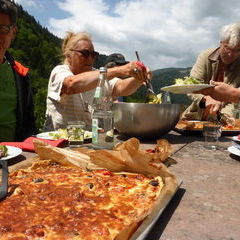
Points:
(76, 134)
(152, 98)
(3, 151)
(187, 81)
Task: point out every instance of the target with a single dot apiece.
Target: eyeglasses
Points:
(86, 53)
(5, 28)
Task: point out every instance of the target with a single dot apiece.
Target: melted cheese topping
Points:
(60, 203)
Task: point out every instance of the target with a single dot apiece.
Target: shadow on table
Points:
(235, 157)
(170, 137)
(15, 160)
(166, 215)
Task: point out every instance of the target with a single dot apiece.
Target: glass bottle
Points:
(102, 116)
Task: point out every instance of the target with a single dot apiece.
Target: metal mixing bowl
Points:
(145, 120)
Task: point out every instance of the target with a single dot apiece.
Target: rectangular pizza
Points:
(58, 200)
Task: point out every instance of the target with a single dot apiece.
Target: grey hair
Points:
(231, 34)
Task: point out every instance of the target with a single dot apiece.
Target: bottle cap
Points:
(103, 69)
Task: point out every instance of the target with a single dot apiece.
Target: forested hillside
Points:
(40, 50)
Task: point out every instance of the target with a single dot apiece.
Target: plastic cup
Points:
(211, 133)
(75, 130)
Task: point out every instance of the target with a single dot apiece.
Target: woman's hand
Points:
(137, 70)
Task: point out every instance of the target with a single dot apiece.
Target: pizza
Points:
(198, 125)
(52, 201)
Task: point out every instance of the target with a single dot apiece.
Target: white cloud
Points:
(167, 33)
(27, 3)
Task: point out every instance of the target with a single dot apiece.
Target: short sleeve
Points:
(57, 77)
(111, 84)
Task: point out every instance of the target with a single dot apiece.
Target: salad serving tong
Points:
(151, 96)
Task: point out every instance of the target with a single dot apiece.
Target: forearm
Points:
(80, 83)
(125, 87)
(88, 80)
(235, 95)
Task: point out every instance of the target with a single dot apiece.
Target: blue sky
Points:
(166, 33)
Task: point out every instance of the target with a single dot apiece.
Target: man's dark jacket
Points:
(25, 126)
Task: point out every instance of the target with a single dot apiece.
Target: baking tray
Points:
(148, 223)
(199, 132)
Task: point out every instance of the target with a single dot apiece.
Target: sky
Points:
(166, 33)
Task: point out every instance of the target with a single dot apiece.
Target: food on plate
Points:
(198, 125)
(59, 198)
(62, 133)
(187, 81)
(3, 151)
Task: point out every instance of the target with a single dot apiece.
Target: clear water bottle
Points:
(102, 116)
(166, 98)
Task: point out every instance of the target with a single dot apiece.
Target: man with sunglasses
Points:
(220, 64)
(16, 105)
(72, 85)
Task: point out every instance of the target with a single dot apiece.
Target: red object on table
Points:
(27, 144)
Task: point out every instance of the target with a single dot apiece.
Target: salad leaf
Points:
(187, 80)
(3, 150)
(152, 98)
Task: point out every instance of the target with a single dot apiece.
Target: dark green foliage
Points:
(39, 50)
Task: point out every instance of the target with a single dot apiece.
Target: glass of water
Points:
(76, 130)
(211, 133)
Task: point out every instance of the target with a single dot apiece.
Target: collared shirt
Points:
(64, 108)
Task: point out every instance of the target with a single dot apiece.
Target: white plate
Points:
(12, 152)
(185, 88)
(236, 139)
(46, 135)
(234, 150)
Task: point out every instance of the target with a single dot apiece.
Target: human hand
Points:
(137, 70)
(212, 106)
(221, 92)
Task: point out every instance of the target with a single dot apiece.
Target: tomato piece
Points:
(150, 150)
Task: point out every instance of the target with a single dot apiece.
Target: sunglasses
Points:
(86, 53)
(5, 29)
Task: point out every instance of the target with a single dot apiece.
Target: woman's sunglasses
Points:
(86, 53)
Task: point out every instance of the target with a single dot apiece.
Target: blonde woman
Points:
(72, 85)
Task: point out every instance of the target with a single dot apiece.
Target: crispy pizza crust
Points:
(126, 158)
(198, 125)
